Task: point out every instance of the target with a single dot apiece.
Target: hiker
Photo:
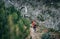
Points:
(34, 25)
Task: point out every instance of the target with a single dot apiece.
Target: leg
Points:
(34, 29)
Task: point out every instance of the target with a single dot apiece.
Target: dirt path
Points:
(35, 35)
(32, 33)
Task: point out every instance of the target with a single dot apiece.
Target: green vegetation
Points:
(46, 36)
(12, 24)
(40, 17)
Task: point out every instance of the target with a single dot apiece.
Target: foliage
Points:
(4, 31)
(52, 3)
(50, 32)
(40, 17)
(10, 21)
(53, 30)
(46, 36)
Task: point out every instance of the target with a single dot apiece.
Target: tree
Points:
(10, 21)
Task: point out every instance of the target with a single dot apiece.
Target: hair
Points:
(32, 21)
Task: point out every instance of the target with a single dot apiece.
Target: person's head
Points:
(33, 21)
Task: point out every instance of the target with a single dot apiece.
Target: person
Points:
(34, 25)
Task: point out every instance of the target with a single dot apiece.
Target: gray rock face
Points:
(32, 9)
